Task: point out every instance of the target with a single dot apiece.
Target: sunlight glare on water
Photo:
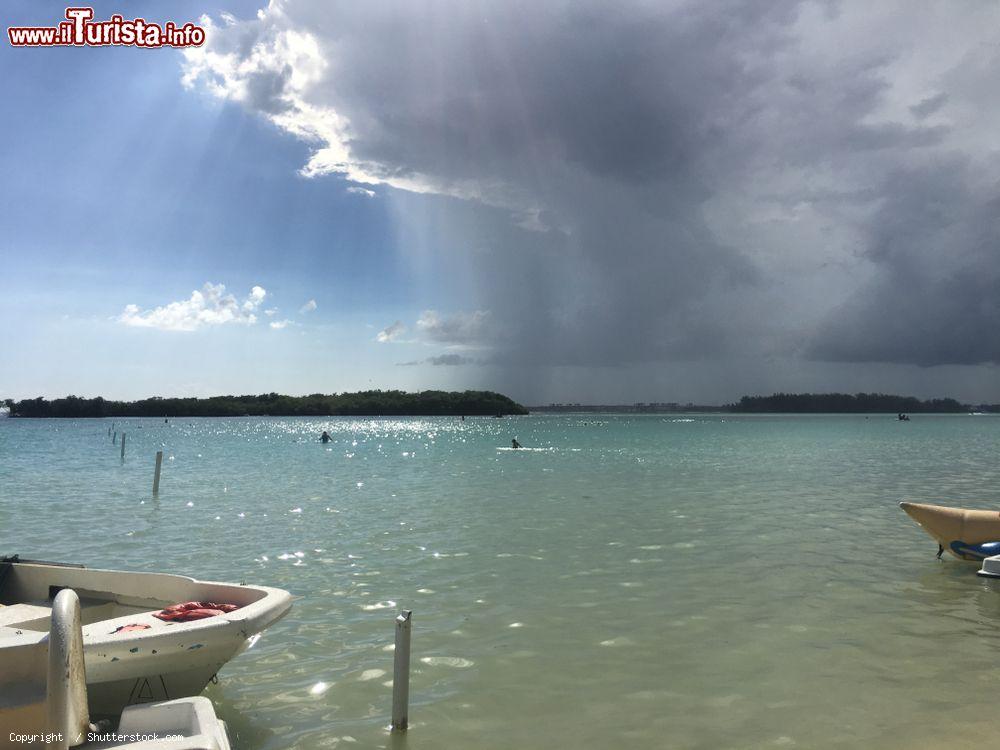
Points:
(676, 581)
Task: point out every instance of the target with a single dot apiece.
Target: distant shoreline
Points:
(361, 404)
(468, 403)
(715, 410)
(789, 403)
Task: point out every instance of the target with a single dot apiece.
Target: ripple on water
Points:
(447, 661)
(371, 674)
(387, 604)
(723, 701)
(619, 641)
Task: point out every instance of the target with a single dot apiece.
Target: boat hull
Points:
(966, 534)
(109, 698)
(163, 669)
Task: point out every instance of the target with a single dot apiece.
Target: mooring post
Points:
(156, 472)
(401, 673)
(123, 446)
(114, 438)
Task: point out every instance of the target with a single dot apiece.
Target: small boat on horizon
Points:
(966, 534)
(141, 641)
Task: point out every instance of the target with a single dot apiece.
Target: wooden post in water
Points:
(401, 673)
(123, 446)
(114, 438)
(156, 472)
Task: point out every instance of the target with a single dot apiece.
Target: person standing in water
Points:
(325, 437)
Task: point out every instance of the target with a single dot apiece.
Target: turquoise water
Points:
(634, 581)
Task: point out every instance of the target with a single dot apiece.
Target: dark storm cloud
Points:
(936, 298)
(929, 106)
(441, 360)
(450, 360)
(608, 123)
(501, 91)
(638, 183)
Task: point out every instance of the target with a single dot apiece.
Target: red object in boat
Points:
(130, 627)
(188, 611)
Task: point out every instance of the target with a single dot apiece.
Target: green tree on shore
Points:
(365, 403)
(845, 403)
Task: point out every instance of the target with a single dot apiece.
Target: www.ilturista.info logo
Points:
(80, 30)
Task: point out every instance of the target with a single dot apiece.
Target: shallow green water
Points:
(654, 581)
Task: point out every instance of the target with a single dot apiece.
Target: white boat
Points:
(132, 656)
(45, 705)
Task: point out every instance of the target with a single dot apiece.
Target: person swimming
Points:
(325, 437)
(514, 443)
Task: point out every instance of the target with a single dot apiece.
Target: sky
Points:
(565, 201)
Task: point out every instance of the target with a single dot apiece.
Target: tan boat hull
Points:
(956, 525)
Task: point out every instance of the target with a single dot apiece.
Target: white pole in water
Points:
(123, 446)
(156, 473)
(401, 673)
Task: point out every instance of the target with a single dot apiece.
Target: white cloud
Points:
(279, 324)
(392, 333)
(257, 295)
(271, 312)
(308, 307)
(209, 307)
(269, 67)
(458, 329)
(362, 191)
(274, 65)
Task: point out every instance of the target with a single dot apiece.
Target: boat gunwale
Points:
(250, 618)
